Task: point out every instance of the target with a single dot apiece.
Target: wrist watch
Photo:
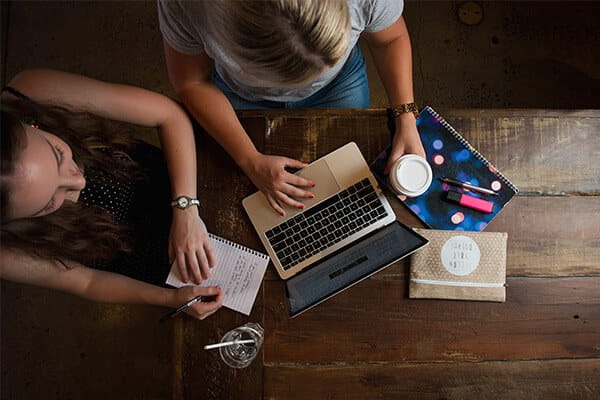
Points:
(405, 108)
(184, 202)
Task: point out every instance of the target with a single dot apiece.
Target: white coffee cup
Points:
(410, 175)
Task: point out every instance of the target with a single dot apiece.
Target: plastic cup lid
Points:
(413, 175)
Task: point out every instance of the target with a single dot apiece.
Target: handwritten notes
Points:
(238, 272)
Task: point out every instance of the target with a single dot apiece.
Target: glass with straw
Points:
(240, 346)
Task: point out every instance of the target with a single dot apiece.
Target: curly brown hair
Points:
(86, 234)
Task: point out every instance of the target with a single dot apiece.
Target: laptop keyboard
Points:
(326, 223)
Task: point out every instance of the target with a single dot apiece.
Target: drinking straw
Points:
(223, 344)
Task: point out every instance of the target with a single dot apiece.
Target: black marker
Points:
(469, 186)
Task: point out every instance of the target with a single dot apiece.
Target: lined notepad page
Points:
(238, 272)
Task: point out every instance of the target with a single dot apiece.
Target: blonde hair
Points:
(285, 42)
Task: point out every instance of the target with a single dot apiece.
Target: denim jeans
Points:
(349, 89)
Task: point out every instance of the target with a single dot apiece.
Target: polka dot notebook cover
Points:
(451, 156)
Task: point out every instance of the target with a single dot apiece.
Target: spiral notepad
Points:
(238, 272)
(451, 156)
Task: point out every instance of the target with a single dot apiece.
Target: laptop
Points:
(345, 234)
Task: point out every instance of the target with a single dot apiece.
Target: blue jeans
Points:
(349, 89)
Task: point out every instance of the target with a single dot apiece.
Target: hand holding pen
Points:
(199, 302)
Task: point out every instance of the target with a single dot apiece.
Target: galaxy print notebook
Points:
(451, 156)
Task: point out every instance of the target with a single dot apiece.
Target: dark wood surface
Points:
(371, 341)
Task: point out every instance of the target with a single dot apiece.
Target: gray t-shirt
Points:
(182, 27)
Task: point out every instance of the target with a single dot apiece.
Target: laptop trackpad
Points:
(326, 185)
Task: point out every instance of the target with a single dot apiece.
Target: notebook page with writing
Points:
(238, 272)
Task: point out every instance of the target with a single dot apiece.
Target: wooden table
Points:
(371, 341)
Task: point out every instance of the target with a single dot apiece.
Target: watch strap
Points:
(405, 108)
(188, 202)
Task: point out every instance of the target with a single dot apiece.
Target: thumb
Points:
(391, 159)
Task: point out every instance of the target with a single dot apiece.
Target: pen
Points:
(180, 309)
(467, 185)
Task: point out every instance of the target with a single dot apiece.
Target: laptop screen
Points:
(351, 265)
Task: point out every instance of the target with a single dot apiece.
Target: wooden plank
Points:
(541, 152)
(221, 186)
(204, 375)
(555, 236)
(451, 112)
(547, 236)
(4, 20)
(307, 139)
(552, 379)
(59, 346)
(551, 235)
(374, 321)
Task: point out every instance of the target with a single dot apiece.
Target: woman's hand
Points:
(211, 302)
(406, 140)
(189, 245)
(279, 186)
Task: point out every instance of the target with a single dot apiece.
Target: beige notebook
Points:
(460, 266)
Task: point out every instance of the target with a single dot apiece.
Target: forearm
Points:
(80, 280)
(214, 112)
(191, 79)
(108, 287)
(392, 55)
(177, 141)
(393, 61)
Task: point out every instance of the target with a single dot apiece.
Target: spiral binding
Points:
(238, 246)
(472, 149)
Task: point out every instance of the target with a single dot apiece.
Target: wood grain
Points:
(548, 380)
(551, 235)
(374, 321)
(547, 236)
(541, 152)
(221, 187)
(203, 375)
(59, 346)
(364, 342)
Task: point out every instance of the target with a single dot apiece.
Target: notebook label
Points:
(460, 255)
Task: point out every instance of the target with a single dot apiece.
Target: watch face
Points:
(182, 202)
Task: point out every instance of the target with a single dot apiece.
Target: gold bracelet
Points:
(405, 108)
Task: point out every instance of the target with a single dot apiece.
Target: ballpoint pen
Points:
(469, 186)
(180, 309)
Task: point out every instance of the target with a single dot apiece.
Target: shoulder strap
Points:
(15, 92)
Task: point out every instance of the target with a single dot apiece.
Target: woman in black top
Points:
(86, 209)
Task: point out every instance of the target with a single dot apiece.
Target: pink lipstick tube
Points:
(470, 202)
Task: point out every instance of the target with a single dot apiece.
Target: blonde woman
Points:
(242, 54)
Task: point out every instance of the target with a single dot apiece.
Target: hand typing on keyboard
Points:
(269, 175)
(325, 224)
